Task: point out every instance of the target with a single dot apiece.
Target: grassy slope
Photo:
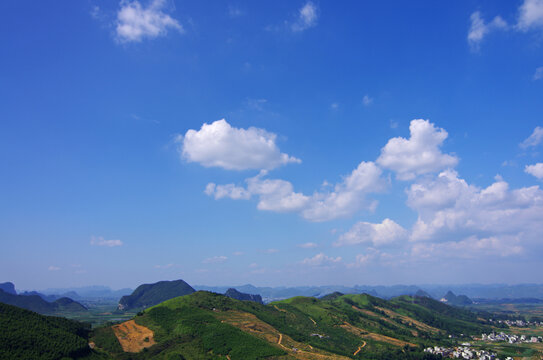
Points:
(200, 326)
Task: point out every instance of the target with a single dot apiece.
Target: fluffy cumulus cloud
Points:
(420, 154)
(535, 170)
(381, 234)
(100, 241)
(136, 22)
(533, 140)
(530, 15)
(307, 17)
(220, 145)
(453, 214)
(321, 260)
(346, 198)
(479, 29)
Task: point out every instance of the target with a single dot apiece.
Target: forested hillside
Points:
(26, 335)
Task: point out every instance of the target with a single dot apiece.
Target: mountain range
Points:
(38, 304)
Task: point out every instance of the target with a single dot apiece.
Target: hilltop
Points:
(207, 325)
(147, 295)
(234, 294)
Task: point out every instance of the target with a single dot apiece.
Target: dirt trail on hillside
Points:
(251, 324)
(359, 348)
(374, 336)
(133, 337)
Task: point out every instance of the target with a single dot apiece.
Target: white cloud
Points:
(420, 154)
(535, 170)
(238, 253)
(538, 75)
(367, 101)
(308, 245)
(307, 17)
(215, 260)
(53, 268)
(228, 190)
(365, 259)
(167, 266)
(376, 234)
(321, 260)
(471, 247)
(135, 22)
(533, 140)
(530, 15)
(348, 196)
(278, 195)
(478, 29)
(100, 241)
(492, 219)
(270, 251)
(220, 145)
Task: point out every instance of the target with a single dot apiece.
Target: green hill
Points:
(151, 294)
(27, 335)
(206, 325)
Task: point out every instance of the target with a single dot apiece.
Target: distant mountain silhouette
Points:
(422, 293)
(50, 298)
(452, 299)
(39, 305)
(147, 295)
(234, 294)
(8, 287)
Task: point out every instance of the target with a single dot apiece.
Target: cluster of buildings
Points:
(511, 338)
(518, 323)
(463, 352)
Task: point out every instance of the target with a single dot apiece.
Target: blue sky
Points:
(272, 143)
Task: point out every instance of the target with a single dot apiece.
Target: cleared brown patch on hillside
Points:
(251, 324)
(133, 337)
(374, 336)
(420, 325)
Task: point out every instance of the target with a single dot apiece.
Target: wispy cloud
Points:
(367, 100)
(533, 140)
(215, 260)
(53, 268)
(135, 22)
(167, 266)
(538, 75)
(307, 17)
(321, 260)
(100, 241)
(308, 245)
(479, 29)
